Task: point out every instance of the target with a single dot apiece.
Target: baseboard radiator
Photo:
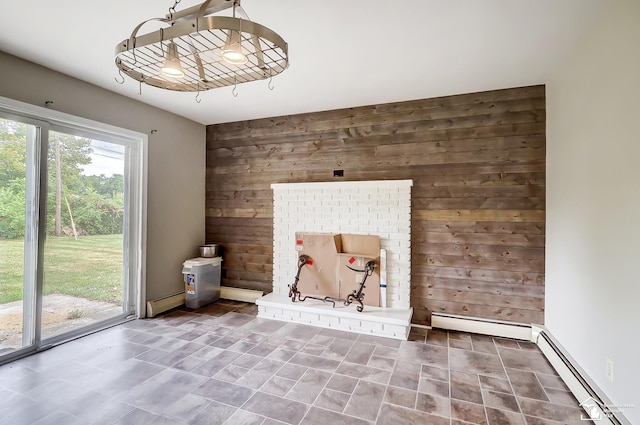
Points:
(590, 396)
(240, 294)
(481, 326)
(161, 305)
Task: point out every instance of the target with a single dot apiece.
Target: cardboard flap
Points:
(362, 245)
(326, 242)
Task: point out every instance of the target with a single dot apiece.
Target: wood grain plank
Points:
(233, 274)
(244, 266)
(238, 194)
(484, 251)
(509, 301)
(420, 284)
(247, 248)
(512, 191)
(467, 261)
(525, 203)
(518, 315)
(261, 204)
(526, 93)
(532, 216)
(239, 212)
(479, 227)
(265, 287)
(252, 231)
(461, 145)
(226, 238)
(239, 222)
(499, 276)
(248, 257)
(536, 241)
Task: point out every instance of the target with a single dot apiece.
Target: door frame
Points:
(134, 262)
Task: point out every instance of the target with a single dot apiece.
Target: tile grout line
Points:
(510, 384)
(387, 385)
(227, 349)
(256, 390)
(450, 380)
(310, 406)
(358, 379)
(484, 405)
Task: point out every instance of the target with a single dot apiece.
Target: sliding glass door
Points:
(70, 231)
(84, 281)
(20, 144)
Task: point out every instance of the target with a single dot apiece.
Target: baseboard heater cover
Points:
(589, 396)
(240, 294)
(161, 305)
(476, 325)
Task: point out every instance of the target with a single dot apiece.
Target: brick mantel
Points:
(381, 208)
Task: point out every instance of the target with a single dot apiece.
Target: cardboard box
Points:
(319, 278)
(357, 250)
(331, 253)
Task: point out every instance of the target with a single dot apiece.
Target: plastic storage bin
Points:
(202, 281)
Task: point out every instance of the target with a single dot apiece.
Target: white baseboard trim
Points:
(591, 398)
(481, 326)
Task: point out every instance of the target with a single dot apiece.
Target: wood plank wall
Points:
(478, 200)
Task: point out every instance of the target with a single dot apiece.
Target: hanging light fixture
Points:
(199, 50)
(232, 51)
(172, 66)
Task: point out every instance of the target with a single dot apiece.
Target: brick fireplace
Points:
(381, 208)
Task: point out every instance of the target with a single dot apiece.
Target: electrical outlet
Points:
(609, 366)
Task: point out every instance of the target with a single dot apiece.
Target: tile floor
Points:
(222, 365)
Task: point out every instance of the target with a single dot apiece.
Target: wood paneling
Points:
(478, 201)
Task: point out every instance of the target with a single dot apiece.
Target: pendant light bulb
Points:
(172, 66)
(232, 50)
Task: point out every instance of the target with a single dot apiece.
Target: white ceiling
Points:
(342, 53)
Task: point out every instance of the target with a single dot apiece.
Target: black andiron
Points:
(357, 295)
(293, 289)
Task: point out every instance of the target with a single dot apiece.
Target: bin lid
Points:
(201, 261)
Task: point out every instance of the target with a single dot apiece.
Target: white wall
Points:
(176, 190)
(593, 203)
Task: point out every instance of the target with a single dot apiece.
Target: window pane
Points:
(17, 141)
(83, 256)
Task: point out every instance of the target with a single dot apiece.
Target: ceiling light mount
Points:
(197, 51)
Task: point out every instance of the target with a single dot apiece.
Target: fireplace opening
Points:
(347, 217)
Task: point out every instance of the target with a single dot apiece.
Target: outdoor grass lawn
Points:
(90, 267)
